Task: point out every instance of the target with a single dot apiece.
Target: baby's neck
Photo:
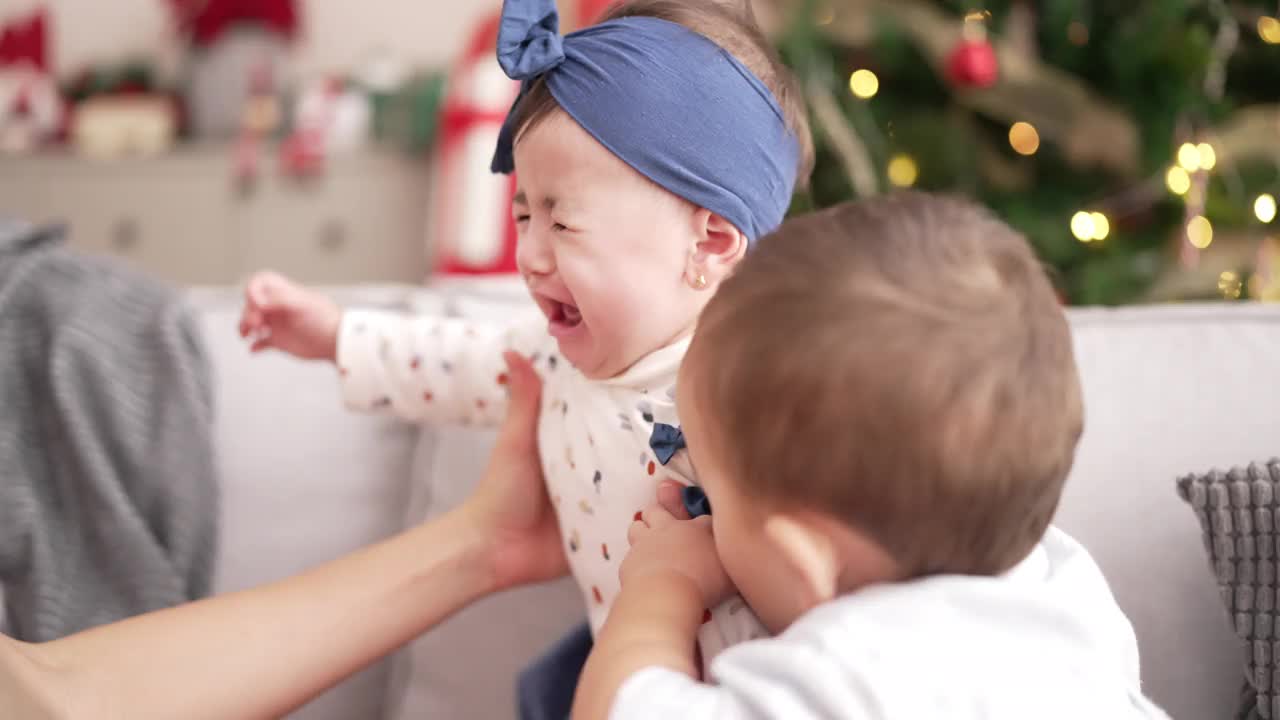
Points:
(678, 340)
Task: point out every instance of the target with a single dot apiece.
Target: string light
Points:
(1269, 30)
(903, 171)
(1178, 180)
(1229, 284)
(1189, 157)
(1265, 207)
(1082, 226)
(1024, 138)
(1208, 156)
(1101, 226)
(1199, 232)
(1090, 226)
(864, 84)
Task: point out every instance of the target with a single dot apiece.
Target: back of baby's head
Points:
(903, 365)
(731, 25)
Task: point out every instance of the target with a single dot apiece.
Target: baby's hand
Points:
(281, 314)
(662, 543)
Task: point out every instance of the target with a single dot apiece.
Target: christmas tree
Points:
(1136, 144)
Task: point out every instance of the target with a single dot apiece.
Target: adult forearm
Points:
(25, 690)
(261, 652)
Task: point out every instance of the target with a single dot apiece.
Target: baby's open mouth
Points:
(566, 314)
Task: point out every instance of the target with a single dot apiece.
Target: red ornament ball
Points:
(973, 64)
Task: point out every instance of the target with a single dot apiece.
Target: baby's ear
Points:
(720, 246)
(826, 557)
(813, 557)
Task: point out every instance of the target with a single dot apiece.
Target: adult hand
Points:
(510, 506)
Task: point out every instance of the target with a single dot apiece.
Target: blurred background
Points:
(347, 143)
(1137, 144)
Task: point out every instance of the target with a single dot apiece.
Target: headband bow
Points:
(529, 43)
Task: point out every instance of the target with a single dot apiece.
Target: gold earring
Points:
(700, 283)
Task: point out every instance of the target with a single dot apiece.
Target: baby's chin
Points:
(580, 353)
(591, 356)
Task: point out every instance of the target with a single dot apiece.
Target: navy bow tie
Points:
(666, 441)
(695, 501)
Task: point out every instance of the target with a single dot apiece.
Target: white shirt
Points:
(1046, 640)
(593, 434)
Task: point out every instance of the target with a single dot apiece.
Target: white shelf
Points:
(181, 216)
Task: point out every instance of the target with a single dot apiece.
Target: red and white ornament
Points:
(31, 110)
(471, 213)
(331, 118)
(474, 233)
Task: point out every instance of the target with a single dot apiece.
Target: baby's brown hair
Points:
(729, 24)
(901, 364)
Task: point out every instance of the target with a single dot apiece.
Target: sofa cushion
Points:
(304, 481)
(1236, 511)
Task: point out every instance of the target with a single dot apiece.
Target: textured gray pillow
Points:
(1238, 512)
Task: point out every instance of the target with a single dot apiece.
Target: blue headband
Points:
(671, 103)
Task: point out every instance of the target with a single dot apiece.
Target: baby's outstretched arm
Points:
(426, 368)
(280, 314)
(421, 368)
(669, 578)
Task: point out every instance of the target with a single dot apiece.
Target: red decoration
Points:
(973, 64)
(330, 117)
(205, 20)
(24, 42)
(589, 11)
(472, 210)
(22, 105)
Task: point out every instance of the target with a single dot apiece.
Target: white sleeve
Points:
(424, 368)
(756, 681)
(658, 692)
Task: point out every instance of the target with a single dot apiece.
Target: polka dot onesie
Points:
(593, 434)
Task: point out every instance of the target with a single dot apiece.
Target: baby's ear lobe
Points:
(812, 556)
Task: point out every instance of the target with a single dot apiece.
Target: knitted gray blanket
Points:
(108, 490)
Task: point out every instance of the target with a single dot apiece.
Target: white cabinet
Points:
(181, 217)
